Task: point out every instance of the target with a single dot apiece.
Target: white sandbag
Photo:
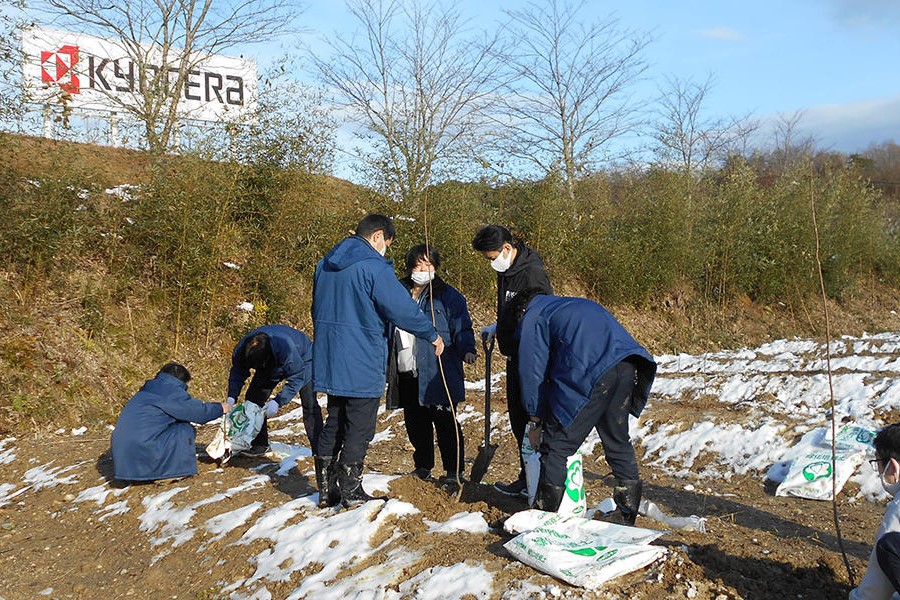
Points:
(531, 458)
(691, 523)
(219, 446)
(242, 423)
(851, 437)
(573, 500)
(529, 520)
(578, 551)
(811, 476)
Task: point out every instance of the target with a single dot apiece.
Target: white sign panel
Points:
(97, 73)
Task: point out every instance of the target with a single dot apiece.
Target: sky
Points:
(773, 416)
(835, 61)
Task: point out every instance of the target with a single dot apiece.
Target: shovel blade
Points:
(479, 467)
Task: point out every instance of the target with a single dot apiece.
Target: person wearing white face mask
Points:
(519, 268)
(882, 578)
(415, 382)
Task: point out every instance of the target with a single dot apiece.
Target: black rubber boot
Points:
(548, 496)
(350, 485)
(326, 481)
(627, 496)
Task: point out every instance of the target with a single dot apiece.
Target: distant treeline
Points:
(199, 237)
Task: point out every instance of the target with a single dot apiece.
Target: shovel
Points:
(486, 451)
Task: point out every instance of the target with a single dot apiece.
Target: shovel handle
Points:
(488, 351)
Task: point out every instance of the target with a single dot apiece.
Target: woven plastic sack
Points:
(579, 551)
(573, 501)
(242, 423)
(812, 476)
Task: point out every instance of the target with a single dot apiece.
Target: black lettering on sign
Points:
(189, 83)
(95, 73)
(127, 77)
(234, 95)
(214, 84)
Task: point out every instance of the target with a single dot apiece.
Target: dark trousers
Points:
(349, 428)
(423, 423)
(887, 551)
(607, 411)
(258, 393)
(518, 418)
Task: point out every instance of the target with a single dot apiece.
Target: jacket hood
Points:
(525, 258)
(351, 251)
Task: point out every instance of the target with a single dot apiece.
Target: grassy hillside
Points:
(100, 286)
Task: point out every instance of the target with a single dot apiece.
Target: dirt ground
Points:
(756, 545)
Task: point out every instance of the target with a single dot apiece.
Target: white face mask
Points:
(382, 250)
(501, 263)
(421, 277)
(890, 488)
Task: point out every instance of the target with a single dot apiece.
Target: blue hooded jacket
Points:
(293, 362)
(356, 296)
(154, 438)
(451, 314)
(565, 346)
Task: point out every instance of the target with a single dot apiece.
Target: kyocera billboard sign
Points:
(96, 73)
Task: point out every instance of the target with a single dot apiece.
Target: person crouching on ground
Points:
(415, 382)
(154, 438)
(579, 369)
(882, 577)
(276, 353)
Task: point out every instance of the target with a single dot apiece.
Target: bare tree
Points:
(790, 146)
(165, 40)
(568, 93)
(416, 84)
(684, 136)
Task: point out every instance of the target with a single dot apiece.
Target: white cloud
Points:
(856, 14)
(722, 33)
(848, 127)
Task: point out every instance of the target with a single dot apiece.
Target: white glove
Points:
(230, 401)
(271, 408)
(488, 332)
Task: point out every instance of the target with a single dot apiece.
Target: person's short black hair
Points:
(258, 351)
(420, 251)
(375, 222)
(177, 371)
(887, 442)
(491, 237)
(509, 319)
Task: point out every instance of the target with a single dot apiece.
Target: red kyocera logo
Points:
(59, 67)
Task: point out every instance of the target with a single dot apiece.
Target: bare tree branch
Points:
(684, 136)
(568, 92)
(415, 83)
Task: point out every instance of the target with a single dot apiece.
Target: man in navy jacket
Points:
(579, 369)
(276, 353)
(154, 438)
(356, 296)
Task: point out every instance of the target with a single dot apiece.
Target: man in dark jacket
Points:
(579, 369)
(154, 438)
(519, 268)
(276, 353)
(356, 296)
